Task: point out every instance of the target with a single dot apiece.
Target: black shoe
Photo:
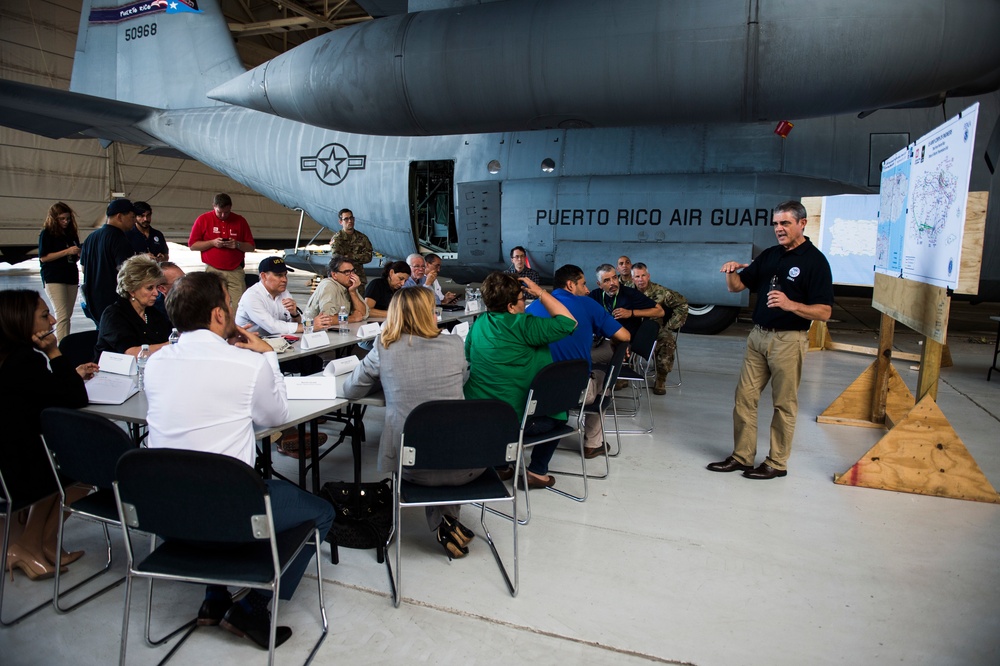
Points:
(451, 546)
(730, 464)
(213, 610)
(255, 627)
(764, 471)
(459, 532)
(595, 452)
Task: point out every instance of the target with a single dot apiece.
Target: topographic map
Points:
(933, 197)
(922, 204)
(894, 193)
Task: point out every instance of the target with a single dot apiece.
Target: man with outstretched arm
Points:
(794, 287)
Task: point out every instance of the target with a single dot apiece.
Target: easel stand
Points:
(921, 453)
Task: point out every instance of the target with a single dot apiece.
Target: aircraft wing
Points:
(60, 114)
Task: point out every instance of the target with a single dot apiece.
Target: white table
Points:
(300, 412)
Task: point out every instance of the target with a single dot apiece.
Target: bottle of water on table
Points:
(175, 335)
(140, 362)
(342, 321)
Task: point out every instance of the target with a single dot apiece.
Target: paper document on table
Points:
(118, 364)
(313, 387)
(110, 389)
(341, 366)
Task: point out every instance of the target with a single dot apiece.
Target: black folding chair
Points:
(637, 371)
(558, 387)
(213, 514)
(79, 347)
(15, 497)
(480, 433)
(84, 448)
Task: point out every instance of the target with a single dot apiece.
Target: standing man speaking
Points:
(223, 237)
(794, 287)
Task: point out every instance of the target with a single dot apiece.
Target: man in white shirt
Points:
(267, 307)
(206, 393)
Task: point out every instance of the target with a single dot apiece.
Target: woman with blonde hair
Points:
(415, 363)
(132, 321)
(58, 253)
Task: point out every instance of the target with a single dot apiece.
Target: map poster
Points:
(847, 237)
(939, 188)
(893, 195)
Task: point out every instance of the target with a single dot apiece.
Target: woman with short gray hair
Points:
(132, 321)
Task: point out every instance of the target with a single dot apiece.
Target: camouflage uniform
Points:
(676, 307)
(357, 247)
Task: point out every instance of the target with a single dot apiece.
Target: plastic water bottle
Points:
(775, 284)
(175, 335)
(342, 321)
(140, 361)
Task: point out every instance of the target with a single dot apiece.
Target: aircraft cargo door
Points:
(479, 222)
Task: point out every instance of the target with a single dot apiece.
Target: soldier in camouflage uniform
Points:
(676, 307)
(352, 244)
(625, 271)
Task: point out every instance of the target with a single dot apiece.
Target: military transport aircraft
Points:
(579, 129)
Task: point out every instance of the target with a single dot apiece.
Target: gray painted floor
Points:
(665, 562)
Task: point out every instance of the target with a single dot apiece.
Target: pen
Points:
(46, 334)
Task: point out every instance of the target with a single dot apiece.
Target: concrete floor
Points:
(665, 563)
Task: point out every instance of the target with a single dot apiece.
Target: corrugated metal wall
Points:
(37, 40)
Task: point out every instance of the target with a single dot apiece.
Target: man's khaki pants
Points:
(235, 283)
(775, 357)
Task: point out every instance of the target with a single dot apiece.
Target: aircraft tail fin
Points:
(164, 54)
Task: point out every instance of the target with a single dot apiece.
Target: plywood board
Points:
(972, 243)
(922, 454)
(854, 406)
(922, 307)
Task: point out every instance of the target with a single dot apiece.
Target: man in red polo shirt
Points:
(223, 237)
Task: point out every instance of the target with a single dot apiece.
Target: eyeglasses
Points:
(345, 219)
(518, 256)
(64, 218)
(347, 272)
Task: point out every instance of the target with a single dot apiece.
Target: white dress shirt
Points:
(206, 395)
(263, 313)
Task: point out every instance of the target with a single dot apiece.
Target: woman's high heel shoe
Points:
(68, 557)
(33, 568)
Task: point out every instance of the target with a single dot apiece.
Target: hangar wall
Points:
(37, 40)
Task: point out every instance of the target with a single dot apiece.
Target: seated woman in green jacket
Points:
(506, 348)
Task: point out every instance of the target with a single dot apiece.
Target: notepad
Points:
(108, 388)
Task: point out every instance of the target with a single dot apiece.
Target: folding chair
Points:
(84, 448)
(558, 387)
(213, 514)
(13, 500)
(639, 368)
(605, 399)
(78, 348)
(479, 433)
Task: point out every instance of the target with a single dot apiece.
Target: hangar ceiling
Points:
(265, 28)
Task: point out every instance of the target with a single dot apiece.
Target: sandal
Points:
(459, 532)
(450, 545)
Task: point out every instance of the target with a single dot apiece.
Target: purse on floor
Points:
(363, 516)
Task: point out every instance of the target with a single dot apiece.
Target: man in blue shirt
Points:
(592, 320)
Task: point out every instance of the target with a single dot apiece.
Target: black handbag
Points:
(363, 516)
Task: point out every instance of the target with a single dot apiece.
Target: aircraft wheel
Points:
(709, 319)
